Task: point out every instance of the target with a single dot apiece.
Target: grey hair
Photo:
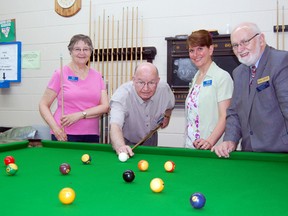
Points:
(80, 37)
(251, 26)
(146, 63)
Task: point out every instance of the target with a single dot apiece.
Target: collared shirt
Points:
(216, 87)
(137, 117)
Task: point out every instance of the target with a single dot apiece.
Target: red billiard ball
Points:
(128, 176)
(67, 196)
(9, 159)
(65, 168)
(169, 166)
(197, 200)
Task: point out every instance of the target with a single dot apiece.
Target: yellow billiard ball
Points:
(86, 158)
(67, 195)
(169, 166)
(11, 169)
(157, 185)
(143, 165)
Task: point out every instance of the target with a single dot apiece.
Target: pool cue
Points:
(122, 48)
(126, 53)
(98, 49)
(112, 58)
(90, 33)
(107, 52)
(107, 77)
(141, 41)
(90, 15)
(277, 26)
(146, 137)
(103, 43)
(94, 43)
(136, 40)
(159, 124)
(117, 56)
(98, 68)
(61, 89)
(131, 52)
(283, 29)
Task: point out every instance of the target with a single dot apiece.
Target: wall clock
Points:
(67, 8)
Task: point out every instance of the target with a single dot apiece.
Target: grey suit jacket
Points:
(260, 118)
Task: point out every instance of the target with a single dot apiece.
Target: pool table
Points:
(245, 184)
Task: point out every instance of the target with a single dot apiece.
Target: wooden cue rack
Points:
(148, 54)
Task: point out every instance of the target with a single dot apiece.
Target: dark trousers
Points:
(80, 138)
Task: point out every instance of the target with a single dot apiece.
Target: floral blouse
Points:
(192, 127)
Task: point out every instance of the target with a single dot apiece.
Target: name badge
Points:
(207, 83)
(73, 78)
(263, 79)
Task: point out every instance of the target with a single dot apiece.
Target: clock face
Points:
(66, 3)
(67, 8)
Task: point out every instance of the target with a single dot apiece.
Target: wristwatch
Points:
(84, 115)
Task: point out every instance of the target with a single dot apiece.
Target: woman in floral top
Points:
(208, 97)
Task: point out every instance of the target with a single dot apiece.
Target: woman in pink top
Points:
(84, 96)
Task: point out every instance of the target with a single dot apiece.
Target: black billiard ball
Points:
(197, 200)
(65, 168)
(128, 176)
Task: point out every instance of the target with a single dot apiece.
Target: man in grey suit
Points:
(258, 114)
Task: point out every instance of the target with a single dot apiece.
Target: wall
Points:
(40, 28)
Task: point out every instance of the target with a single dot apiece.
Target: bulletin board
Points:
(10, 62)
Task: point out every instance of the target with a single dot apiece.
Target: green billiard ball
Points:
(11, 169)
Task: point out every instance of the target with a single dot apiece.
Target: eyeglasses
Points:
(78, 50)
(142, 84)
(243, 43)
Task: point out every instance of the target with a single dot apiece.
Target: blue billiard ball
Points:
(197, 200)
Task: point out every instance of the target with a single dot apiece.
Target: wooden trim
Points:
(67, 12)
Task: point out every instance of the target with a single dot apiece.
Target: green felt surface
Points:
(245, 184)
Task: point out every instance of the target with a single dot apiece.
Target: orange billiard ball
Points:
(169, 166)
(143, 165)
(67, 195)
(157, 185)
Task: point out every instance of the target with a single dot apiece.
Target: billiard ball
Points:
(8, 160)
(197, 200)
(128, 176)
(169, 166)
(123, 156)
(86, 158)
(143, 165)
(11, 169)
(157, 185)
(65, 168)
(67, 195)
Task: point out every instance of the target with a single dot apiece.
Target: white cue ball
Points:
(123, 156)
